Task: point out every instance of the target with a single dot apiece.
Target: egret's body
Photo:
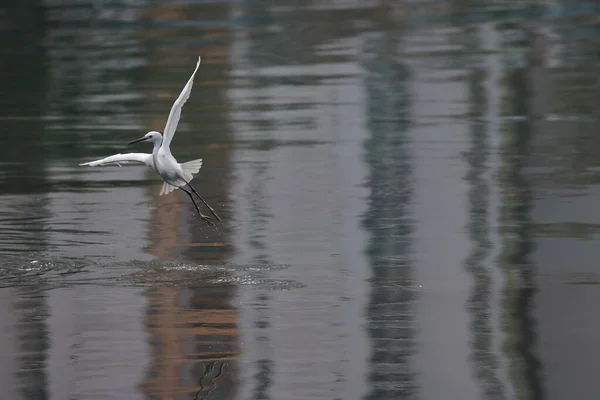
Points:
(174, 174)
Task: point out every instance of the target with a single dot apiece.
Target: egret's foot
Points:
(212, 211)
(207, 219)
(215, 214)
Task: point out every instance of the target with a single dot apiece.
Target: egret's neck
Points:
(157, 144)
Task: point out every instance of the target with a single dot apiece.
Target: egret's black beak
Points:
(138, 140)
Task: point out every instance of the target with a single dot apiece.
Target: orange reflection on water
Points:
(193, 337)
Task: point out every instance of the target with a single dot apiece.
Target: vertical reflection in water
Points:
(485, 363)
(215, 342)
(390, 311)
(23, 72)
(264, 365)
(33, 343)
(259, 15)
(257, 224)
(8, 343)
(311, 329)
(93, 51)
(23, 157)
(22, 66)
(205, 119)
(193, 335)
(194, 330)
(258, 217)
(92, 69)
(519, 289)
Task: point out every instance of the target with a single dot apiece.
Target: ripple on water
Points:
(203, 275)
(53, 272)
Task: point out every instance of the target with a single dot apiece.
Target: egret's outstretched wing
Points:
(175, 113)
(129, 158)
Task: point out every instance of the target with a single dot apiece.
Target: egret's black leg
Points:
(206, 218)
(205, 203)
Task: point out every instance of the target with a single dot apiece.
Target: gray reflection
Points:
(257, 241)
(264, 365)
(23, 170)
(277, 25)
(515, 235)
(22, 154)
(33, 342)
(258, 199)
(91, 69)
(485, 362)
(390, 312)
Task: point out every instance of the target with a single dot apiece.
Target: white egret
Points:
(174, 174)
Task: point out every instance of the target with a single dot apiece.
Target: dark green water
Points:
(410, 195)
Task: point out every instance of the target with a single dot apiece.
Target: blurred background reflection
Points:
(409, 189)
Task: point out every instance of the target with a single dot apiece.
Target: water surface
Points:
(409, 195)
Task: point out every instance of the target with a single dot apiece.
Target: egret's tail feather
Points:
(190, 168)
(166, 188)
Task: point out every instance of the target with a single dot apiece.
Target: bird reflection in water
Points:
(212, 371)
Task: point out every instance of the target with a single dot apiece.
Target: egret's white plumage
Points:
(174, 174)
(129, 158)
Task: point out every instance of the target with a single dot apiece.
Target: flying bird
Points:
(174, 174)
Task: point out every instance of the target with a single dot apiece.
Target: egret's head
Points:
(152, 136)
